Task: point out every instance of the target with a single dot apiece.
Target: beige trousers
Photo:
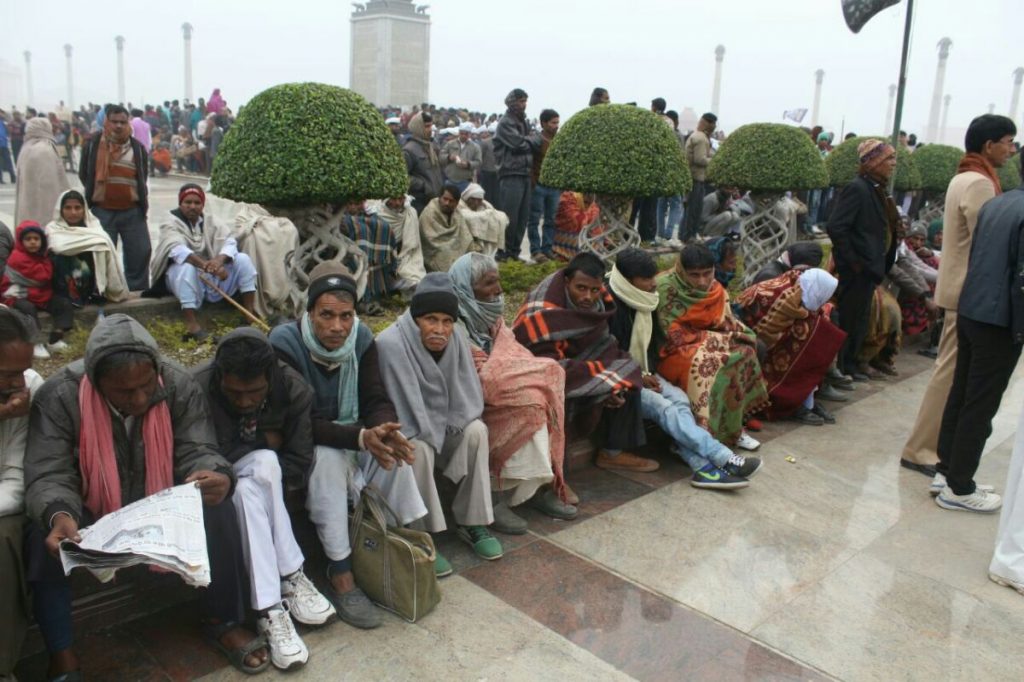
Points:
(464, 461)
(921, 447)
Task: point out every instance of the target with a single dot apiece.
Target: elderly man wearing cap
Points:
(198, 260)
(356, 432)
(863, 228)
(427, 368)
(462, 157)
(486, 223)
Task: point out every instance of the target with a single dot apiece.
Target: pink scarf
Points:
(101, 484)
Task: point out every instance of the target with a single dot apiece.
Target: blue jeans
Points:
(813, 207)
(544, 201)
(669, 213)
(670, 410)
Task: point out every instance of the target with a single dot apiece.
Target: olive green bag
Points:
(392, 564)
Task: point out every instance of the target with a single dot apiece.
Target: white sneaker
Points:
(978, 501)
(305, 602)
(675, 243)
(57, 346)
(747, 442)
(40, 352)
(287, 649)
(1006, 582)
(939, 482)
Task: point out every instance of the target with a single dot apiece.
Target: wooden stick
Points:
(258, 321)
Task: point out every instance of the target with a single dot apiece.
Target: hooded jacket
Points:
(422, 162)
(286, 410)
(53, 480)
(28, 275)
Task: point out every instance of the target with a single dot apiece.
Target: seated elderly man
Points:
(17, 381)
(635, 325)
(524, 400)
(198, 260)
(375, 238)
(405, 226)
(486, 223)
(355, 429)
(444, 233)
(566, 318)
(260, 411)
(106, 431)
(428, 371)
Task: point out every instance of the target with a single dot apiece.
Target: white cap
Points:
(394, 120)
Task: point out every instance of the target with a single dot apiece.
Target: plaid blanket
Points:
(374, 238)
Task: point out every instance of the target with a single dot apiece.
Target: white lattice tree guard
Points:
(320, 241)
(609, 234)
(763, 237)
(935, 209)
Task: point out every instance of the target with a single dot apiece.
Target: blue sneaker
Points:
(713, 478)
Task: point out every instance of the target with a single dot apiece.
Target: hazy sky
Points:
(556, 50)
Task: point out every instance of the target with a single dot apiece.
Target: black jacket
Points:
(87, 170)
(621, 327)
(993, 290)
(514, 146)
(858, 228)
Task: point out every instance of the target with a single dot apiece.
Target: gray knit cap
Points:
(435, 294)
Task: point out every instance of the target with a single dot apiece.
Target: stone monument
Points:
(389, 62)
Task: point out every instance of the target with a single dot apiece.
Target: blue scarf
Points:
(345, 360)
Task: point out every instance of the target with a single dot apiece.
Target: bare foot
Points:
(343, 582)
(237, 637)
(62, 662)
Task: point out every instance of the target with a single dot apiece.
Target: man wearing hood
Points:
(196, 251)
(422, 161)
(122, 424)
(514, 148)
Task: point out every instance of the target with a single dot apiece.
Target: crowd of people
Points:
(321, 407)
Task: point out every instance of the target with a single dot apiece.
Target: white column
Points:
(28, 79)
(819, 77)
(889, 109)
(186, 30)
(120, 69)
(71, 84)
(1018, 77)
(945, 117)
(716, 91)
(992, 107)
(940, 78)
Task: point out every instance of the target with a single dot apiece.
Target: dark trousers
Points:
(129, 225)
(694, 210)
(224, 600)
(543, 204)
(489, 181)
(645, 213)
(853, 303)
(985, 359)
(16, 147)
(59, 308)
(514, 200)
(6, 164)
(625, 425)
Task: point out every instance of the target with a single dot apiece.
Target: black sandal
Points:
(197, 336)
(214, 631)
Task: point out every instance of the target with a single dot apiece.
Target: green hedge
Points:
(768, 157)
(617, 149)
(843, 163)
(937, 164)
(301, 144)
(1009, 174)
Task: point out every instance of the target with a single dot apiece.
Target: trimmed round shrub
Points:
(302, 144)
(937, 164)
(617, 149)
(1009, 174)
(768, 157)
(844, 162)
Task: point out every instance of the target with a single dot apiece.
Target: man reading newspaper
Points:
(106, 431)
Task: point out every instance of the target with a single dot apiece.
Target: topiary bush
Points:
(1009, 174)
(843, 163)
(768, 157)
(301, 144)
(937, 164)
(617, 149)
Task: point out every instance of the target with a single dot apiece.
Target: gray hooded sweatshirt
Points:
(53, 479)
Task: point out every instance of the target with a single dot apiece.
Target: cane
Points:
(258, 321)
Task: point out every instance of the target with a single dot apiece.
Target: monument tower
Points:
(390, 52)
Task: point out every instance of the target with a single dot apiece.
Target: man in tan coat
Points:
(698, 155)
(989, 143)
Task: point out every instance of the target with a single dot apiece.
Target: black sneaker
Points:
(713, 478)
(824, 414)
(742, 467)
(805, 416)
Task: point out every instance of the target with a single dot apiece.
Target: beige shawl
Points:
(405, 225)
(486, 225)
(67, 240)
(41, 173)
(443, 239)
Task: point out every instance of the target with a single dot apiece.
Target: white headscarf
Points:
(817, 287)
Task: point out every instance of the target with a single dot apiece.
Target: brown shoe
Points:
(625, 461)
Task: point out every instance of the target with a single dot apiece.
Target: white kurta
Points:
(1008, 558)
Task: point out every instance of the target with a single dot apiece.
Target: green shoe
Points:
(480, 539)
(442, 567)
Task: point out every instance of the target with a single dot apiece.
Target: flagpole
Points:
(901, 89)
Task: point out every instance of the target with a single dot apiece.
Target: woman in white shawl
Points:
(42, 174)
(86, 266)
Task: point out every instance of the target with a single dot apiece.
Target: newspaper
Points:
(164, 530)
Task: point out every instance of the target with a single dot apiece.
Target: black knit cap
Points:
(329, 277)
(435, 294)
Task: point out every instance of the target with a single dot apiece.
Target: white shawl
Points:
(67, 240)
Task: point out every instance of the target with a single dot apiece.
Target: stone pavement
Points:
(837, 565)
